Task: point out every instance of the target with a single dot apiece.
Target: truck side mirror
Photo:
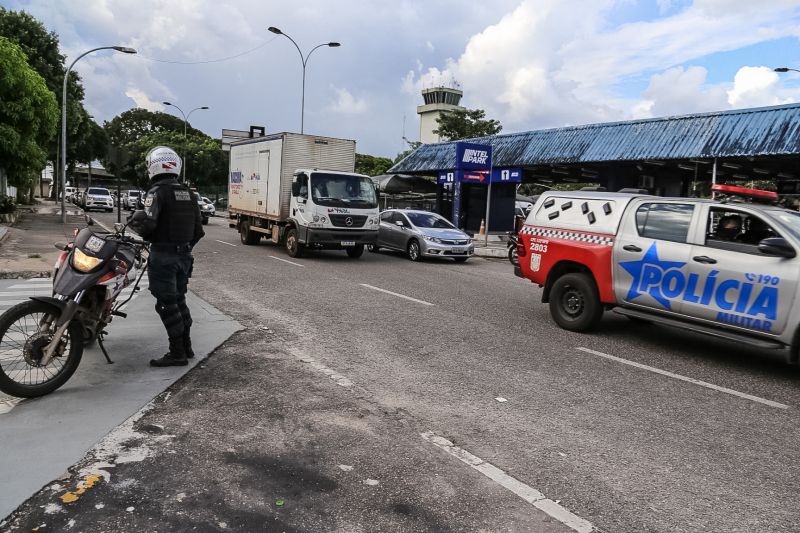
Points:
(777, 246)
(295, 188)
(399, 223)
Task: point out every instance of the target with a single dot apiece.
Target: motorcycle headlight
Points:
(83, 262)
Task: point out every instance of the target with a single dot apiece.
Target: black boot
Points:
(175, 357)
(187, 344)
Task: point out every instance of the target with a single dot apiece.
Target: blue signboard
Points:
(506, 175)
(472, 156)
(446, 177)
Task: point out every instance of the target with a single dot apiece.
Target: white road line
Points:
(423, 302)
(27, 286)
(39, 280)
(25, 292)
(223, 242)
(287, 261)
(526, 492)
(687, 379)
(13, 302)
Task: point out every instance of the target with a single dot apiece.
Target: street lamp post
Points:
(124, 50)
(304, 60)
(185, 121)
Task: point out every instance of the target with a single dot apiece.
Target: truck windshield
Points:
(341, 190)
(98, 192)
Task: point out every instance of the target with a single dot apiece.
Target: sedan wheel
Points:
(414, 251)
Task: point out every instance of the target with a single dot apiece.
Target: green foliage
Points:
(7, 204)
(42, 50)
(28, 116)
(137, 131)
(466, 124)
(372, 165)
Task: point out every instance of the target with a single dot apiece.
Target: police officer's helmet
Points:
(162, 160)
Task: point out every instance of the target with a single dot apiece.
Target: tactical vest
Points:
(176, 214)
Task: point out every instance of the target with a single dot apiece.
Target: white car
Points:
(97, 198)
(211, 209)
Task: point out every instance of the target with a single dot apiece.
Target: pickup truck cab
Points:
(728, 270)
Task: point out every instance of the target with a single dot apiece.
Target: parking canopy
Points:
(402, 184)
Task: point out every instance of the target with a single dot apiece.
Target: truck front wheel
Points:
(293, 246)
(355, 251)
(574, 302)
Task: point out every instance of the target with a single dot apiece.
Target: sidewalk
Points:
(496, 248)
(27, 249)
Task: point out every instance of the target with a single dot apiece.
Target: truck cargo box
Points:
(261, 169)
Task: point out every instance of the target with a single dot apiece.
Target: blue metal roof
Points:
(745, 132)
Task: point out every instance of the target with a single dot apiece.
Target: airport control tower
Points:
(437, 100)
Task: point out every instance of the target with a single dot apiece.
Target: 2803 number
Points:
(536, 247)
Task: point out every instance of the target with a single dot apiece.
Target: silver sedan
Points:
(422, 234)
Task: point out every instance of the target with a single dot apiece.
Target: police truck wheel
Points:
(355, 251)
(293, 247)
(574, 302)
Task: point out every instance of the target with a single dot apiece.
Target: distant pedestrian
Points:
(171, 221)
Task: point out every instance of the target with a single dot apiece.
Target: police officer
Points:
(171, 222)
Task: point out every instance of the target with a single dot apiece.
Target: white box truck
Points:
(300, 191)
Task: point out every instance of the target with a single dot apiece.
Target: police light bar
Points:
(754, 194)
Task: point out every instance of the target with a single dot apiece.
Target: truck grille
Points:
(340, 221)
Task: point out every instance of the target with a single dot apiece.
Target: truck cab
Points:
(332, 210)
(728, 269)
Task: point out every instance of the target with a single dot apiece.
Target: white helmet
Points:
(162, 160)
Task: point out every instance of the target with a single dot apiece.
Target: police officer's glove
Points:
(137, 216)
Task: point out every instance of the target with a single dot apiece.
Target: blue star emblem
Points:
(649, 262)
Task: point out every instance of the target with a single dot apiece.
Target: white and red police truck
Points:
(724, 268)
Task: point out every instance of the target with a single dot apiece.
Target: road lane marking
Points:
(287, 261)
(526, 492)
(423, 302)
(223, 242)
(39, 280)
(27, 286)
(687, 379)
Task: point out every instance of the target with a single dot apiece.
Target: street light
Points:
(785, 69)
(276, 31)
(124, 50)
(185, 120)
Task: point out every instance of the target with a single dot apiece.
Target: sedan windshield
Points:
(342, 190)
(429, 220)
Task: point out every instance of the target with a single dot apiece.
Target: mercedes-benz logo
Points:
(348, 221)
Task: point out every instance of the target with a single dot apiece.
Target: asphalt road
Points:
(623, 447)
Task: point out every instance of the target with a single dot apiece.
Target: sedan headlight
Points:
(433, 239)
(83, 262)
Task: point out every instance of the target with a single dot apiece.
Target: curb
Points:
(25, 274)
(491, 252)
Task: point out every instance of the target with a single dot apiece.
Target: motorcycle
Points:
(513, 253)
(42, 340)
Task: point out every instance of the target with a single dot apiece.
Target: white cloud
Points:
(141, 100)
(756, 86)
(429, 46)
(348, 104)
(680, 90)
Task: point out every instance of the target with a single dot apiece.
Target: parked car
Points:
(69, 192)
(422, 234)
(132, 198)
(98, 198)
(212, 210)
(206, 210)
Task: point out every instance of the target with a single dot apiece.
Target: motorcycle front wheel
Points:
(513, 255)
(25, 331)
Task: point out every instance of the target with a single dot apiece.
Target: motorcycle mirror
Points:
(118, 227)
(61, 245)
(89, 220)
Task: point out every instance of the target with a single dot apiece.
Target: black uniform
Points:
(171, 221)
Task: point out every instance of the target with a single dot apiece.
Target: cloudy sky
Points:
(529, 63)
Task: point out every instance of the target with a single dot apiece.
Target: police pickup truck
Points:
(726, 269)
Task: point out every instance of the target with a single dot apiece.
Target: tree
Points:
(42, 50)
(135, 131)
(28, 116)
(372, 165)
(466, 124)
(412, 145)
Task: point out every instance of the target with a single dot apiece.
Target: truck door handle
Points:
(631, 248)
(704, 259)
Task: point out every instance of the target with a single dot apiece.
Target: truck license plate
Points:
(348, 243)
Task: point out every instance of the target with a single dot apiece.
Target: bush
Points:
(7, 204)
